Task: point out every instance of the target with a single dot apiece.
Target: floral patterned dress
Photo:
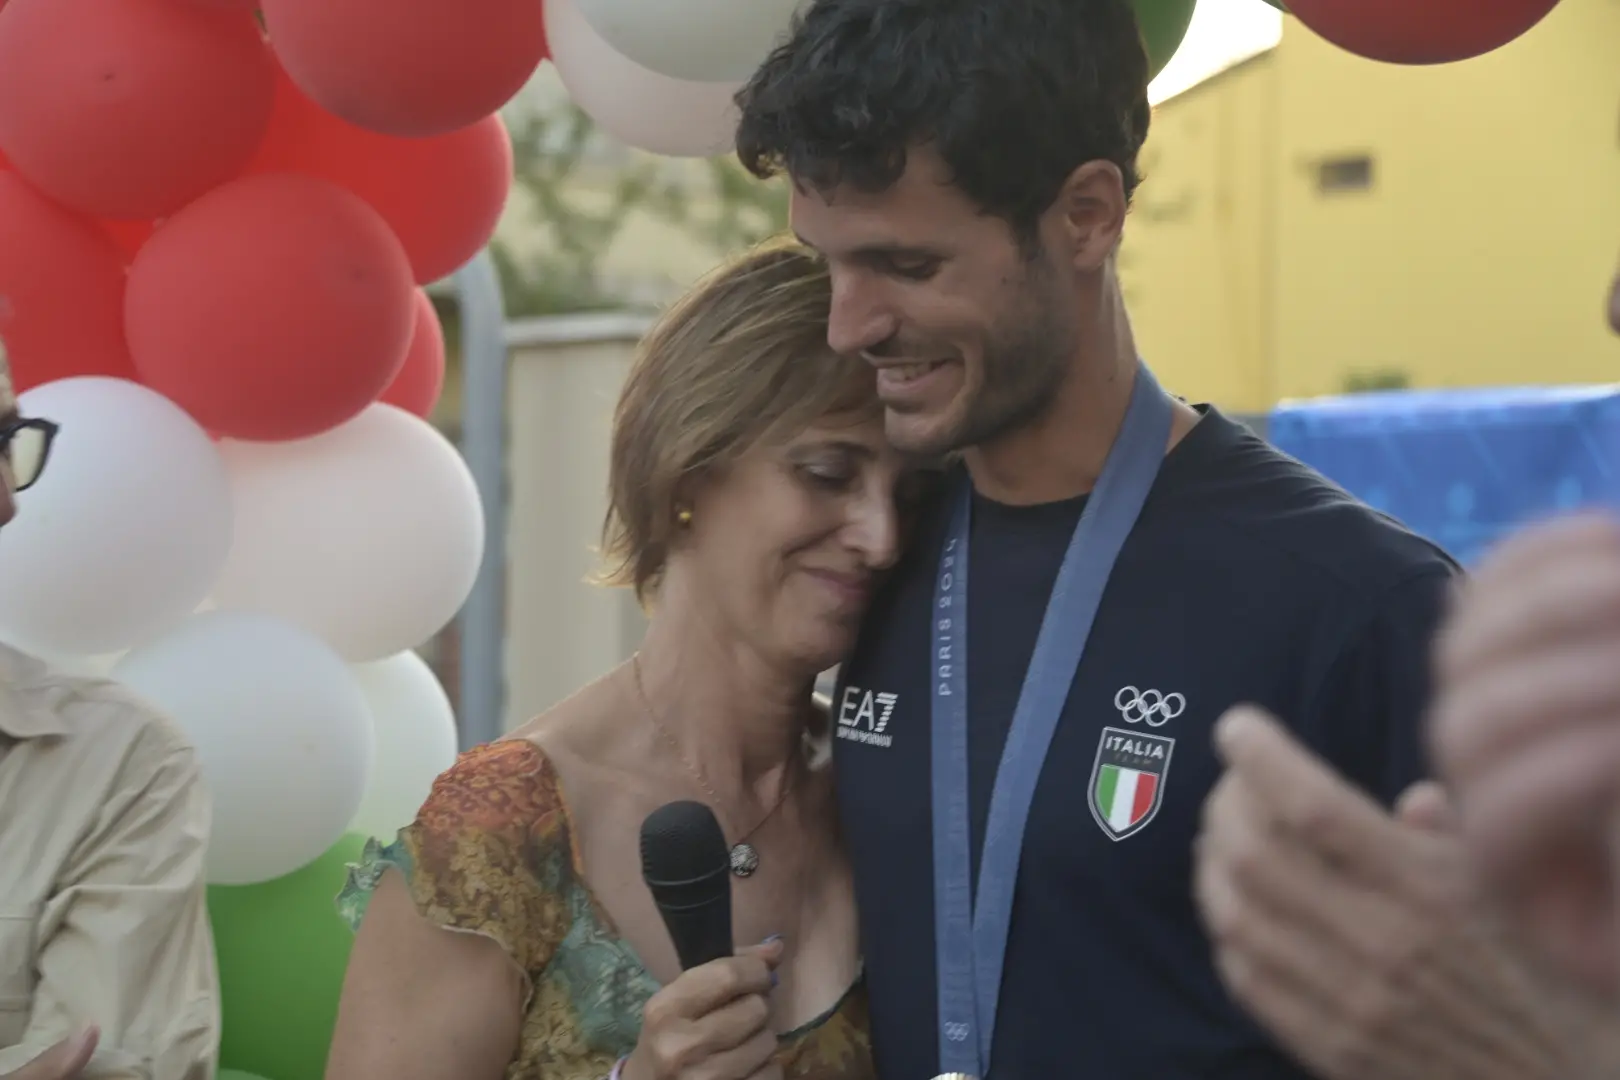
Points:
(491, 853)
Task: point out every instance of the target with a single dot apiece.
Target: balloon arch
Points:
(217, 222)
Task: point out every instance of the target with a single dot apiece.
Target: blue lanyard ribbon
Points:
(970, 934)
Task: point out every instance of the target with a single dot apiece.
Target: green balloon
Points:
(282, 952)
(1164, 25)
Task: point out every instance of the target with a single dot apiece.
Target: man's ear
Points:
(1087, 219)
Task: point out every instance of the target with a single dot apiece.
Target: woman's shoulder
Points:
(500, 803)
(504, 787)
(586, 725)
(488, 852)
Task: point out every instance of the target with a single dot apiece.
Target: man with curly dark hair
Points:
(1020, 798)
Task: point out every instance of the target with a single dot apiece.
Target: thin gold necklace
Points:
(744, 856)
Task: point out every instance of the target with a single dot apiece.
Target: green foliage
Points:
(581, 206)
(1363, 382)
(731, 210)
(562, 274)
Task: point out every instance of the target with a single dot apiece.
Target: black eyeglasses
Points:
(25, 443)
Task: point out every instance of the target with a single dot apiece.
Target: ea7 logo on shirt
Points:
(1127, 780)
(863, 716)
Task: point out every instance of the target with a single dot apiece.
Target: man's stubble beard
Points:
(1024, 365)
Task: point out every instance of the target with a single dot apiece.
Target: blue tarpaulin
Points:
(1463, 467)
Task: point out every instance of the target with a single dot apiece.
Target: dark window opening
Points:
(1337, 175)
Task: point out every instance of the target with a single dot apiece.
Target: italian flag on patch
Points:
(1127, 779)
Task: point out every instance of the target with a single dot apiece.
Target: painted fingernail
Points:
(772, 940)
(775, 979)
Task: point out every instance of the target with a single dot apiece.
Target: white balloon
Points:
(368, 535)
(416, 741)
(282, 731)
(668, 116)
(696, 40)
(126, 530)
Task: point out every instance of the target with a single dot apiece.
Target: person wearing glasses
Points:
(106, 959)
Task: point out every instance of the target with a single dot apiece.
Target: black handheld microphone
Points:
(687, 866)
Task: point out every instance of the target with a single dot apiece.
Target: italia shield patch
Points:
(1127, 780)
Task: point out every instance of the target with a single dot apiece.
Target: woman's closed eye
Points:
(827, 475)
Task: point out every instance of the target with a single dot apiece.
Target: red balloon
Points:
(1420, 31)
(443, 195)
(420, 382)
(275, 307)
(131, 108)
(408, 67)
(128, 236)
(61, 291)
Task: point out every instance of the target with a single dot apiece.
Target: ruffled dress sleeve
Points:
(469, 857)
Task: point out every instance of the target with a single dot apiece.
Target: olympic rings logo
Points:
(1157, 709)
(956, 1032)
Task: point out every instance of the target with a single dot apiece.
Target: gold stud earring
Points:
(683, 516)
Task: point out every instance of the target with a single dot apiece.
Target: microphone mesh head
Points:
(681, 843)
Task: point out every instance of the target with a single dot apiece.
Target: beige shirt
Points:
(103, 913)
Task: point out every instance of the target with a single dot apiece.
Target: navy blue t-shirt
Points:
(1248, 578)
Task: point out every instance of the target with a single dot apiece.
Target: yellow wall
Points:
(1193, 263)
(1480, 255)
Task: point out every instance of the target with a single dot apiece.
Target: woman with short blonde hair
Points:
(754, 505)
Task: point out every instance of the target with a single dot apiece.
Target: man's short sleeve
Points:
(1368, 716)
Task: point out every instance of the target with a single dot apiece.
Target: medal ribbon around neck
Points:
(970, 932)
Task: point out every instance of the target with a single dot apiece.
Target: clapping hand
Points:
(1353, 933)
(1527, 733)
